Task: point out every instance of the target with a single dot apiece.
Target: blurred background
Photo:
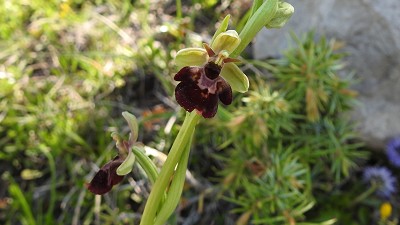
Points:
(315, 140)
(370, 34)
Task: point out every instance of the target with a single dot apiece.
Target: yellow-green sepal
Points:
(227, 41)
(127, 164)
(235, 77)
(191, 57)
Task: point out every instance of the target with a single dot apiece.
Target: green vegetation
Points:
(291, 150)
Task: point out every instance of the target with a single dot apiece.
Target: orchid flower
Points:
(208, 74)
(114, 171)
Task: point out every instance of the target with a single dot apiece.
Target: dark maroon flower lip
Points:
(201, 87)
(106, 177)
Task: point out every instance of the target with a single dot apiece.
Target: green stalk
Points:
(146, 163)
(260, 18)
(255, 6)
(175, 190)
(364, 195)
(53, 180)
(178, 9)
(168, 168)
(19, 198)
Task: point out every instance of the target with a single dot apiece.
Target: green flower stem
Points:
(255, 6)
(19, 197)
(364, 195)
(146, 163)
(52, 165)
(175, 154)
(178, 9)
(258, 20)
(175, 190)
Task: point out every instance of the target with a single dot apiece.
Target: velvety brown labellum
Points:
(106, 177)
(200, 88)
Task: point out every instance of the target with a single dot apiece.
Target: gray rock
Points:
(371, 31)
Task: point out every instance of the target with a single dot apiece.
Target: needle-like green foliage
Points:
(291, 136)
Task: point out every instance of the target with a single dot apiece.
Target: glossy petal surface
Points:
(190, 96)
(188, 73)
(200, 88)
(225, 93)
(187, 94)
(106, 177)
(209, 107)
(235, 77)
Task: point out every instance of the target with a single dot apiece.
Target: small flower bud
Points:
(285, 11)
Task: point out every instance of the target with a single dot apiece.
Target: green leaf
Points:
(175, 190)
(221, 28)
(19, 197)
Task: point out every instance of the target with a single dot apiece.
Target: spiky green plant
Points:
(291, 136)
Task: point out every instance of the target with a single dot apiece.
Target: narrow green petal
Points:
(222, 27)
(235, 77)
(133, 126)
(227, 41)
(175, 190)
(191, 57)
(127, 164)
